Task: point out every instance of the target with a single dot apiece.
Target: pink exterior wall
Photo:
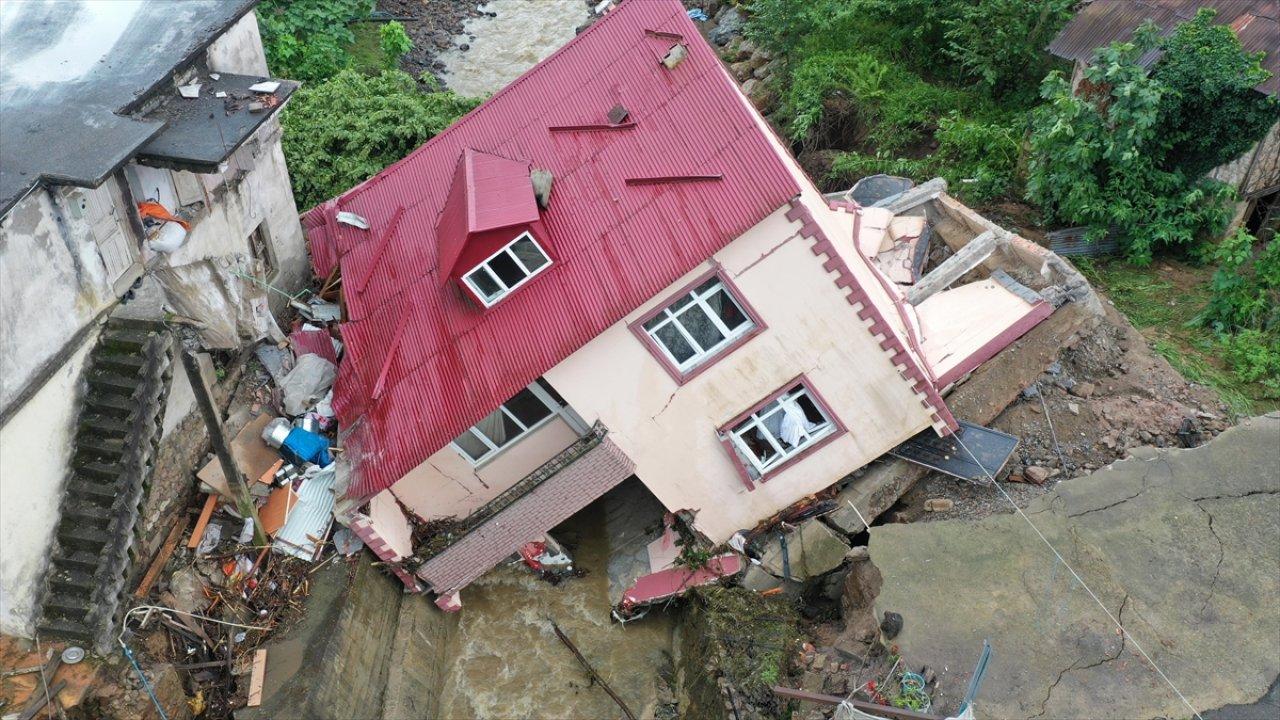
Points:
(669, 430)
(448, 485)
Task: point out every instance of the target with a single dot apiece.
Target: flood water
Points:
(522, 33)
(508, 663)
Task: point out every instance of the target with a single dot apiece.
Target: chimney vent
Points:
(541, 180)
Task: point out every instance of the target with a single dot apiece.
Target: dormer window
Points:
(509, 268)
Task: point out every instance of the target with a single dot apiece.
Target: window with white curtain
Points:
(780, 429)
(526, 411)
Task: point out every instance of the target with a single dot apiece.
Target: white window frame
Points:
(700, 299)
(557, 410)
(756, 420)
(506, 289)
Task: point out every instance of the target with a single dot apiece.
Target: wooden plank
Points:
(866, 707)
(38, 700)
(257, 678)
(210, 503)
(166, 552)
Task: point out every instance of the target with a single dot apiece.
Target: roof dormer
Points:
(488, 241)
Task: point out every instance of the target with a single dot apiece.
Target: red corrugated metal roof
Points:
(499, 192)
(441, 362)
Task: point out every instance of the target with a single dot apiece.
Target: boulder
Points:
(861, 587)
(729, 25)
(1036, 474)
(813, 549)
(938, 505)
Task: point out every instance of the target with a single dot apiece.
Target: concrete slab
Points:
(1183, 546)
(813, 549)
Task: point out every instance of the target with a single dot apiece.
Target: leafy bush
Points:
(1246, 286)
(1000, 43)
(342, 131)
(1254, 356)
(308, 39)
(395, 44)
(1099, 158)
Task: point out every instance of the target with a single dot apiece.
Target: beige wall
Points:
(670, 431)
(448, 485)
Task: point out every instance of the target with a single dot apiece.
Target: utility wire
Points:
(1080, 580)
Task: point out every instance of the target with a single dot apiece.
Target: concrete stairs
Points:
(118, 433)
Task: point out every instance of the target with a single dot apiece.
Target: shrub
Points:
(394, 43)
(307, 39)
(1246, 286)
(1000, 43)
(342, 131)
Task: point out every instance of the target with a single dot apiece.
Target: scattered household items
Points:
(350, 218)
(268, 86)
(189, 91)
(72, 655)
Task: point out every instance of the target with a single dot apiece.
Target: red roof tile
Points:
(443, 361)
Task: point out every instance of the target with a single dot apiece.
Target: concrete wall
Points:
(447, 484)
(52, 283)
(670, 430)
(239, 50)
(34, 448)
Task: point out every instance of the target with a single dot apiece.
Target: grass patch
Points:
(1162, 301)
(366, 51)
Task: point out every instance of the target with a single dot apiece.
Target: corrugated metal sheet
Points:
(310, 519)
(615, 245)
(1102, 22)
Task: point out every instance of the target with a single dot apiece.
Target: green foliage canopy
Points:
(341, 132)
(307, 39)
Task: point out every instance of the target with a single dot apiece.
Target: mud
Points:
(507, 662)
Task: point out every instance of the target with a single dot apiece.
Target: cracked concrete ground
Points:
(1182, 546)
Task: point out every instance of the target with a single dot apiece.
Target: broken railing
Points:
(561, 460)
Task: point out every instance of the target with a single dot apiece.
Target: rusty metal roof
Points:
(423, 362)
(1102, 22)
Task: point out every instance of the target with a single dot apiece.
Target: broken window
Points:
(507, 269)
(780, 429)
(698, 325)
(264, 262)
(526, 411)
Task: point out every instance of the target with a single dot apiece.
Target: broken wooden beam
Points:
(257, 677)
(954, 267)
(166, 552)
(866, 707)
(211, 502)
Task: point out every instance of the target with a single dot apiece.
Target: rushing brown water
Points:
(522, 33)
(507, 662)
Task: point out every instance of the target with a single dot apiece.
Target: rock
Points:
(891, 625)
(1017, 478)
(757, 580)
(1037, 409)
(858, 554)
(813, 548)
(1036, 474)
(1055, 368)
(938, 505)
(1074, 408)
(741, 70)
(729, 25)
(861, 587)
(1083, 389)
(1030, 392)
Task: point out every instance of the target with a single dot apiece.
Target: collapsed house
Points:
(613, 268)
(141, 180)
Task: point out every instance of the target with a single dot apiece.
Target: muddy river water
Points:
(521, 33)
(508, 663)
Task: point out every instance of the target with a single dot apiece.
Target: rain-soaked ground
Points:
(520, 33)
(507, 662)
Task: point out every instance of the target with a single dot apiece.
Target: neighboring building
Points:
(99, 147)
(1256, 174)
(682, 306)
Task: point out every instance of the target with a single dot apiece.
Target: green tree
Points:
(1108, 156)
(1211, 114)
(308, 39)
(342, 131)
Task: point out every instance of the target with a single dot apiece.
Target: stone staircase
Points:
(118, 432)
